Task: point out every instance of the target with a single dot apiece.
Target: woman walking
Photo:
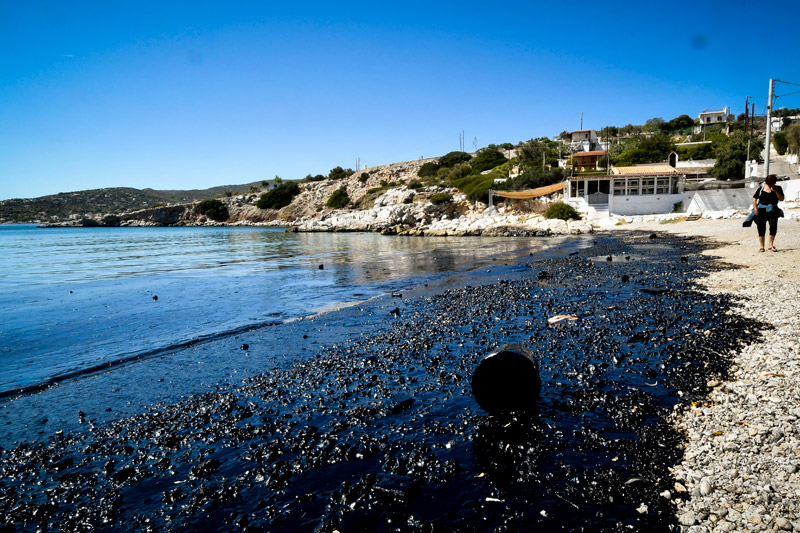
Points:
(765, 206)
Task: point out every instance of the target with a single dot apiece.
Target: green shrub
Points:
(376, 189)
(213, 209)
(477, 190)
(428, 170)
(309, 177)
(451, 175)
(441, 198)
(562, 211)
(280, 196)
(363, 177)
(781, 142)
(532, 178)
(697, 151)
(451, 159)
(338, 199)
(487, 159)
(415, 184)
(340, 173)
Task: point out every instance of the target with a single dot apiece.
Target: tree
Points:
(532, 178)
(793, 138)
(653, 124)
(213, 209)
(732, 154)
(487, 159)
(280, 196)
(646, 150)
(451, 159)
(608, 132)
(781, 142)
(428, 169)
(697, 151)
(678, 123)
(339, 173)
(449, 175)
(537, 151)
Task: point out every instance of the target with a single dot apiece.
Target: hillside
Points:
(114, 200)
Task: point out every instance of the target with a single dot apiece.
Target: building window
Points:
(662, 185)
(619, 187)
(648, 185)
(633, 186)
(577, 189)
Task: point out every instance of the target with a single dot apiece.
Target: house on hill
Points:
(778, 122)
(583, 140)
(588, 160)
(710, 118)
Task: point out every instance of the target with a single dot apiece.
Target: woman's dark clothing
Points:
(768, 198)
(767, 215)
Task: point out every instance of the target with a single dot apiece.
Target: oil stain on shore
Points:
(380, 431)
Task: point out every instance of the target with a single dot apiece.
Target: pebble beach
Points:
(669, 403)
(741, 466)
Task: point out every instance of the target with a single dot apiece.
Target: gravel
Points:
(741, 463)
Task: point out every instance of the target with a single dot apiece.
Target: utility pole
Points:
(769, 127)
(752, 117)
(746, 109)
(581, 120)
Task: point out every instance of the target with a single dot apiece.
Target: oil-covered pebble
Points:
(382, 432)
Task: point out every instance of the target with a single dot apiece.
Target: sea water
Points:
(73, 300)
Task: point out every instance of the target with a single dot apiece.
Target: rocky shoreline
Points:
(392, 214)
(741, 466)
(386, 199)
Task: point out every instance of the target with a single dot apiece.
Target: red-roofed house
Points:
(588, 160)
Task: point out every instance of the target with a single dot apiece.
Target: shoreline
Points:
(372, 417)
(740, 466)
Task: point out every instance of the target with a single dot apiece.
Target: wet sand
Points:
(364, 419)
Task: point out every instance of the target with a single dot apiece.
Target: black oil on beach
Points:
(371, 424)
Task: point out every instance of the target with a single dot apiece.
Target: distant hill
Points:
(109, 201)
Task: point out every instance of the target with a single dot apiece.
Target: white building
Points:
(583, 140)
(710, 118)
(777, 122)
(632, 192)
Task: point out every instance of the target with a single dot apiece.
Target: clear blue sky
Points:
(182, 95)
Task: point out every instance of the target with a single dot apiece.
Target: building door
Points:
(598, 191)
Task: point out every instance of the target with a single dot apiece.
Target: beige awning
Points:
(532, 193)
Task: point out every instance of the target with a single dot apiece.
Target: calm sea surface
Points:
(73, 299)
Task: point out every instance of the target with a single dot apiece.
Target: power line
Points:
(787, 94)
(788, 82)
